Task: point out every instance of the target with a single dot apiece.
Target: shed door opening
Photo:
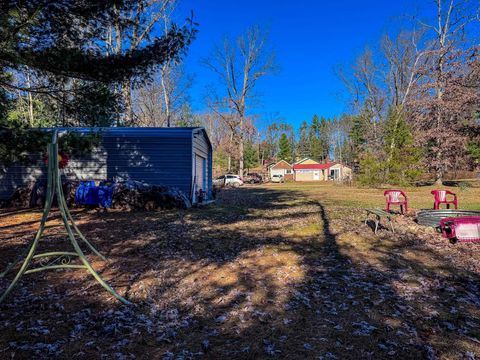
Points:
(316, 175)
(200, 171)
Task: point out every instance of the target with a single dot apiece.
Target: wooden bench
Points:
(379, 213)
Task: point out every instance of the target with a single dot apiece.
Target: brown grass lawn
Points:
(286, 271)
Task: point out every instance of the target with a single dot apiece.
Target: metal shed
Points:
(177, 157)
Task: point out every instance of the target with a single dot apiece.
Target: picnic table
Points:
(379, 213)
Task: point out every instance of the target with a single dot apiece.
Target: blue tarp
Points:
(89, 194)
(105, 195)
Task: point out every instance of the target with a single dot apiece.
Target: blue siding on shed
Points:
(158, 156)
(155, 160)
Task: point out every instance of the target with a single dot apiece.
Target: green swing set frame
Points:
(61, 259)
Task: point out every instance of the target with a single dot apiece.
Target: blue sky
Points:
(311, 38)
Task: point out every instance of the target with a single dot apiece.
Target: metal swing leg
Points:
(77, 230)
(19, 258)
(78, 250)
(55, 187)
(34, 244)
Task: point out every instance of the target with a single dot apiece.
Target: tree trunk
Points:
(166, 95)
(30, 102)
(439, 169)
(127, 99)
(241, 149)
(229, 162)
(438, 156)
(240, 154)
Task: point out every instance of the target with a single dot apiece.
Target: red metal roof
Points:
(313, 166)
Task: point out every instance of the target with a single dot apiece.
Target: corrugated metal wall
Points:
(15, 175)
(154, 159)
(202, 148)
(152, 155)
(92, 166)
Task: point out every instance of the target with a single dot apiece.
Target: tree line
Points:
(413, 99)
(416, 101)
(414, 108)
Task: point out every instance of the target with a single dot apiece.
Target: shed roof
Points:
(161, 132)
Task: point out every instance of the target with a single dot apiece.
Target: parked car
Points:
(253, 178)
(277, 178)
(228, 180)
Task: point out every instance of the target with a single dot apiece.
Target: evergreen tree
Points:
(250, 156)
(316, 150)
(293, 145)
(94, 105)
(371, 170)
(44, 110)
(357, 136)
(5, 104)
(403, 157)
(324, 139)
(473, 149)
(398, 162)
(61, 37)
(303, 146)
(285, 148)
(187, 117)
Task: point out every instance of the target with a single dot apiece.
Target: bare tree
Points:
(365, 83)
(437, 117)
(239, 65)
(170, 76)
(159, 102)
(120, 38)
(219, 129)
(405, 61)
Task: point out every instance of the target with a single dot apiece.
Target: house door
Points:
(200, 172)
(316, 175)
(335, 174)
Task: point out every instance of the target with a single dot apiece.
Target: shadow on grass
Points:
(234, 281)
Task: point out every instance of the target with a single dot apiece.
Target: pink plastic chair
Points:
(394, 197)
(440, 197)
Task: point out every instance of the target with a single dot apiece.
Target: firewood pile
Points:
(21, 196)
(127, 195)
(33, 194)
(134, 195)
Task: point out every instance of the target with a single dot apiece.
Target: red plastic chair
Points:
(394, 197)
(440, 197)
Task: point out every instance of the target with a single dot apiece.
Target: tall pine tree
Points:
(303, 146)
(250, 156)
(314, 139)
(324, 138)
(403, 157)
(285, 148)
(357, 136)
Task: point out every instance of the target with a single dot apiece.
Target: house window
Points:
(288, 171)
